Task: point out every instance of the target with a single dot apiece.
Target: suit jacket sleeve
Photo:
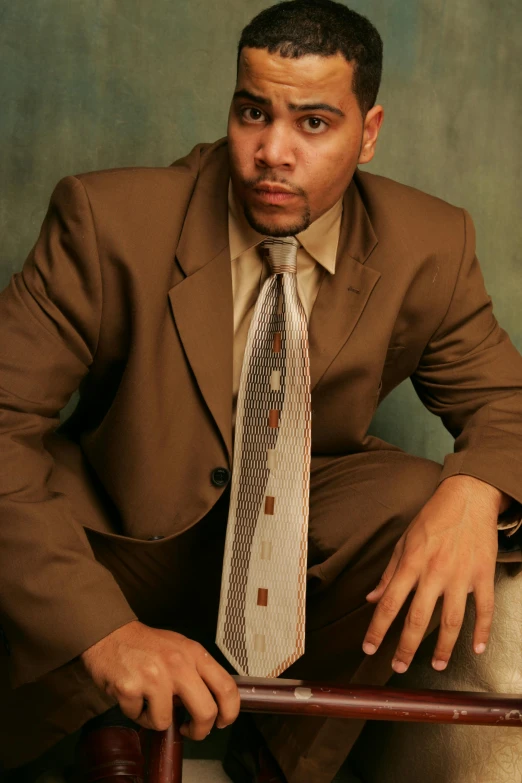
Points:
(56, 600)
(470, 375)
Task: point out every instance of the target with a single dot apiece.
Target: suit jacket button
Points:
(220, 477)
(155, 538)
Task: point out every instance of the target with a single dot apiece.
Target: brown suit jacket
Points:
(127, 295)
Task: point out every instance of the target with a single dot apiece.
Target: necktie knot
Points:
(281, 253)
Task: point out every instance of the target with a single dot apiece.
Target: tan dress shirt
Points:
(315, 258)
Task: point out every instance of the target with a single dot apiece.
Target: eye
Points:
(316, 125)
(251, 114)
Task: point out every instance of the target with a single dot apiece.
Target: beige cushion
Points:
(428, 753)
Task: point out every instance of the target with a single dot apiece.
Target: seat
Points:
(456, 753)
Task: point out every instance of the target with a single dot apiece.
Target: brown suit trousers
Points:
(360, 506)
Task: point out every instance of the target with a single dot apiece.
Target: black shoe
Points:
(247, 759)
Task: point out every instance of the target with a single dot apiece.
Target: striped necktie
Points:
(261, 620)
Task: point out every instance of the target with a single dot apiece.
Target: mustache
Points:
(252, 183)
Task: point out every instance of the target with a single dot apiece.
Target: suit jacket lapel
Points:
(202, 301)
(342, 297)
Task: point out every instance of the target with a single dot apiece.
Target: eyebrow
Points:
(292, 106)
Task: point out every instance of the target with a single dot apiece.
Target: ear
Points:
(372, 126)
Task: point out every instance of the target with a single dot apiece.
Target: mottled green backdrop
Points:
(105, 83)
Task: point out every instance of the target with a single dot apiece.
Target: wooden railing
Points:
(164, 749)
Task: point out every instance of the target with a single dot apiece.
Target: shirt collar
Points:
(320, 239)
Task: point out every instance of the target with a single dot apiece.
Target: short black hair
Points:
(324, 27)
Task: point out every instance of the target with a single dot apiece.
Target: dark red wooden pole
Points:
(165, 753)
(293, 697)
(297, 697)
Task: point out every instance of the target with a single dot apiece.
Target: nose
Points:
(275, 148)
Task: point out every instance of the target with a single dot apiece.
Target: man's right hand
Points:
(137, 662)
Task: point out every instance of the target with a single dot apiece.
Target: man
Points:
(142, 291)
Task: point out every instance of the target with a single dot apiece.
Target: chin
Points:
(283, 227)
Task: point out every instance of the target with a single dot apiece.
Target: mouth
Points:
(273, 194)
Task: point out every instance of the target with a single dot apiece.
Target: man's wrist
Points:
(463, 482)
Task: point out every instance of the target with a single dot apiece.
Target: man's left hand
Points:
(448, 550)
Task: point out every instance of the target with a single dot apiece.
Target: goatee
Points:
(271, 230)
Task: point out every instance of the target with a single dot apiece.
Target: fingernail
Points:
(439, 665)
(399, 666)
(480, 648)
(369, 648)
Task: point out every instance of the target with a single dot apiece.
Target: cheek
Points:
(325, 171)
(241, 151)
(329, 176)
(236, 156)
(336, 167)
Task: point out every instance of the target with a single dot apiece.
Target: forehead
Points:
(307, 76)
